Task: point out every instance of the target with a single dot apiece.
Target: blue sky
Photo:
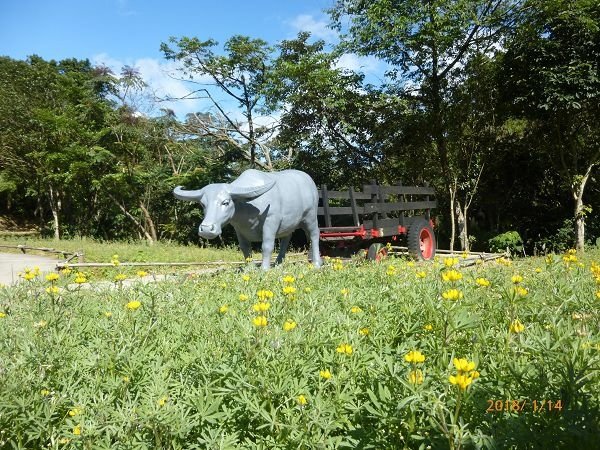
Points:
(119, 32)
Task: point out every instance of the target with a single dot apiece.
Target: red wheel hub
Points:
(426, 243)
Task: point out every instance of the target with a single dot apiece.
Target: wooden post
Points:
(353, 206)
(325, 198)
(374, 199)
(427, 211)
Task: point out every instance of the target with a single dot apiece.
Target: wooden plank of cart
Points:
(377, 217)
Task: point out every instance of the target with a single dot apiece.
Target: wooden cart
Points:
(378, 215)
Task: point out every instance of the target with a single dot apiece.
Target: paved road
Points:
(13, 263)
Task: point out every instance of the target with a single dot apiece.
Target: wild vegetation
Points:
(493, 102)
(354, 355)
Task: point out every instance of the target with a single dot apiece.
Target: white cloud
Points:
(161, 77)
(317, 28)
(365, 64)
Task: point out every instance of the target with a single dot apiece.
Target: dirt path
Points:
(13, 263)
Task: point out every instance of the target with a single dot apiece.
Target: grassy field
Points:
(98, 251)
(359, 355)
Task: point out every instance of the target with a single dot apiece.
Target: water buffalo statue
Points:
(261, 206)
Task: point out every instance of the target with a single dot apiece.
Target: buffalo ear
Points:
(249, 191)
(193, 196)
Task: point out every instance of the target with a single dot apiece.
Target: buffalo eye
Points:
(226, 202)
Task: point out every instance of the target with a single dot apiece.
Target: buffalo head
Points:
(218, 202)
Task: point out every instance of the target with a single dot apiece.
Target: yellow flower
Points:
(504, 262)
(264, 294)
(80, 278)
(452, 294)
(223, 285)
(345, 292)
(2, 315)
(421, 274)
(428, 327)
(355, 310)
(410, 264)
(451, 275)
(246, 277)
(462, 380)
(40, 324)
(289, 290)
(108, 314)
(288, 279)
(516, 326)
(77, 430)
(261, 306)
(483, 282)
(29, 276)
(163, 401)
(450, 261)
(289, 325)
(141, 273)
(415, 377)
(66, 271)
(538, 270)
(53, 290)
(260, 321)
(391, 270)
(249, 259)
(223, 309)
(52, 277)
(463, 364)
(302, 400)
(326, 374)
(464, 255)
(64, 441)
(344, 349)
(74, 412)
(243, 297)
(363, 331)
(45, 392)
(414, 356)
(307, 289)
(598, 294)
(521, 291)
(133, 305)
(516, 279)
(120, 277)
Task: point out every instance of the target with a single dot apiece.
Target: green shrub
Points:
(511, 241)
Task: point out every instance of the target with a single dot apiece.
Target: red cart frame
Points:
(379, 213)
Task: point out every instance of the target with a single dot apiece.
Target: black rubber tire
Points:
(421, 240)
(376, 252)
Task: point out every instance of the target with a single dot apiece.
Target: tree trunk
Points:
(577, 191)
(461, 220)
(452, 221)
(149, 221)
(55, 205)
(141, 228)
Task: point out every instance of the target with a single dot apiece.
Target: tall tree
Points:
(240, 76)
(327, 117)
(551, 78)
(426, 44)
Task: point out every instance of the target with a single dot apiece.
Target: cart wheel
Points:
(421, 240)
(377, 252)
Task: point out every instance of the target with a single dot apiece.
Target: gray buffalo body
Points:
(261, 206)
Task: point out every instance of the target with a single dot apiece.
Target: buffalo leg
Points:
(268, 245)
(312, 233)
(283, 245)
(245, 245)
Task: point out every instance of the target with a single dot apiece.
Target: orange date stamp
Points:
(536, 406)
